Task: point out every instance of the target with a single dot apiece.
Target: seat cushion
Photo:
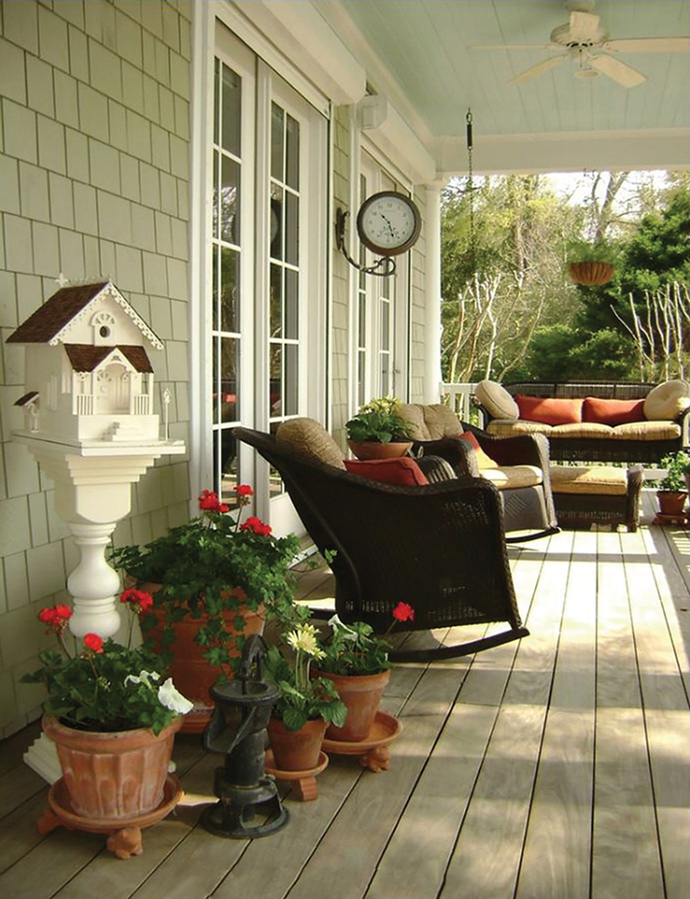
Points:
(513, 476)
(583, 429)
(548, 410)
(308, 437)
(647, 430)
(403, 471)
(508, 428)
(667, 401)
(612, 412)
(496, 400)
(596, 480)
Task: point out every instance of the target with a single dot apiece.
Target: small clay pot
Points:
(371, 450)
(296, 750)
(362, 694)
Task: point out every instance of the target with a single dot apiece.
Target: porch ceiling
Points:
(417, 53)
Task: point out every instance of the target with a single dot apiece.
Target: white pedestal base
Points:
(42, 757)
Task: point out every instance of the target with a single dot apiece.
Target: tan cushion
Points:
(509, 428)
(306, 436)
(596, 480)
(513, 476)
(413, 415)
(667, 400)
(430, 422)
(582, 429)
(496, 400)
(647, 430)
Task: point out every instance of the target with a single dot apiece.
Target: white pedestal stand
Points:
(92, 493)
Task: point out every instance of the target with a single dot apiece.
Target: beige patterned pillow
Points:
(441, 421)
(666, 401)
(413, 415)
(308, 437)
(496, 400)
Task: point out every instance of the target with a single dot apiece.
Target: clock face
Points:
(388, 223)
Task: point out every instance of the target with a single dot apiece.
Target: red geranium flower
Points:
(209, 502)
(57, 617)
(138, 599)
(256, 524)
(47, 616)
(63, 612)
(93, 642)
(244, 490)
(403, 612)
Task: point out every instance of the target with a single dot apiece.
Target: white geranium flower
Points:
(171, 698)
(337, 624)
(145, 677)
(303, 639)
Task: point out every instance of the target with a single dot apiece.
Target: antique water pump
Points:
(238, 729)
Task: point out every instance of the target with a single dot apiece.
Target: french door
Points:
(267, 251)
(381, 309)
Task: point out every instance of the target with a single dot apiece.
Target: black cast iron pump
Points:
(238, 729)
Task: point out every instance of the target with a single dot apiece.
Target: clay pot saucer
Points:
(125, 834)
(304, 781)
(373, 751)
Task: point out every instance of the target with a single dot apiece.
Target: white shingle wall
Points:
(417, 310)
(341, 276)
(93, 182)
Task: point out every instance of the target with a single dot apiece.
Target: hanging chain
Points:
(470, 188)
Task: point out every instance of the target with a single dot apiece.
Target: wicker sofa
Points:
(647, 439)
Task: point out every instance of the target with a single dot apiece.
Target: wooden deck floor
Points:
(557, 768)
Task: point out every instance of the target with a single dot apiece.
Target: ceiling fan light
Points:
(586, 73)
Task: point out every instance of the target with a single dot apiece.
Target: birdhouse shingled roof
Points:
(46, 323)
(86, 358)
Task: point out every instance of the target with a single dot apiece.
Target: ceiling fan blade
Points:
(649, 45)
(539, 69)
(583, 26)
(510, 47)
(619, 71)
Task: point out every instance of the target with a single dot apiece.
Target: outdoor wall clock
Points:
(388, 224)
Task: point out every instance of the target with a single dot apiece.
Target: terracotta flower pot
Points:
(117, 775)
(192, 674)
(373, 450)
(296, 750)
(362, 694)
(590, 272)
(671, 503)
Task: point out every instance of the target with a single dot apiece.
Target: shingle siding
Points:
(93, 181)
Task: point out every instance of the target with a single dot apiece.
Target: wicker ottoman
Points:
(597, 495)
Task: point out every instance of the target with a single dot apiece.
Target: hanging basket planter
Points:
(591, 272)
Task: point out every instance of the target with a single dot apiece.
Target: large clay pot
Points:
(671, 503)
(192, 674)
(296, 750)
(373, 450)
(117, 775)
(361, 694)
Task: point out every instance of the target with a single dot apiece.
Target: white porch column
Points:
(432, 322)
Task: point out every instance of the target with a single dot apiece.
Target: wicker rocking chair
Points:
(440, 548)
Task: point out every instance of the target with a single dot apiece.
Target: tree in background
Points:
(508, 308)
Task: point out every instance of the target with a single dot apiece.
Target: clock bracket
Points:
(382, 268)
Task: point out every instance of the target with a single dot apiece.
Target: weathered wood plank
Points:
(17, 786)
(487, 854)
(667, 719)
(625, 850)
(12, 749)
(557, 849)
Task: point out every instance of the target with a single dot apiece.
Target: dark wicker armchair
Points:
(440, 547)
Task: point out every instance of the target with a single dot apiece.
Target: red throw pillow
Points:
(549, 411)
(483, 459)
(405, 472)
(612, 412)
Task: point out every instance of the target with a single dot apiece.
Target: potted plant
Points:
(214, 580)
(591, 263)
(378, 431)
(357, 662)
(113, 717)
(306, 705)
(672, 490)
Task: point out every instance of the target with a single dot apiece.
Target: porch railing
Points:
(85, 403)
(141, 404)
(460, 396)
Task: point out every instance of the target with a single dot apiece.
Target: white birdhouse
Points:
(86, 363)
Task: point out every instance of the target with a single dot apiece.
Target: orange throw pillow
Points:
(612, 412)
(405, 472)
(549, 411)
(483, 460)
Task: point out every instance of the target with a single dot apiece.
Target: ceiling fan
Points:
(583, 41)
